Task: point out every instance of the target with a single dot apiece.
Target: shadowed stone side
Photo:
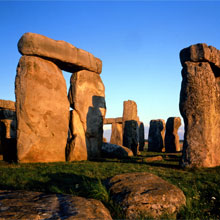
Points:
(87, 98)
(200, 109)
(42, 110)
(130, 126)
(37, 205)
(172, 144)
(141, 136)
(156, 136)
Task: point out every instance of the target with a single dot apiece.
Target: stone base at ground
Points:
(37, 205)
(145, 194)
(115, 151)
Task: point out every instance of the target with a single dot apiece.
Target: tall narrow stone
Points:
(156, 136)
(172, 144)
(76, 147)
(141, 136)
(42, 110)
(130, 126)
(117, 134)
(200, 106)
(87, 98)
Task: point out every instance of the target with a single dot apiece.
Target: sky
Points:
(138, 42)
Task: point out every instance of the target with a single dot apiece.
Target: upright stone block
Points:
(42, 110)
(8, 126)
(156, 141)
(87, 97)
(200, 108)
(172, 144)
(117, 134)
(130, 126)
(76, 147)
(141, 136)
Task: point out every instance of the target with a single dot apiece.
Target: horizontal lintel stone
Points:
(66, 56)
(113, 120)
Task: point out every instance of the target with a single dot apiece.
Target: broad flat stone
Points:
(42, 111)
(113, 120)
(6, 104)
(200, 109)
(65, 55)
(37, 205)
(115, 151)
(76, 148)
(146, 194)
(87, 97)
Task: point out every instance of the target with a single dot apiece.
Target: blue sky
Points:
(138, 42)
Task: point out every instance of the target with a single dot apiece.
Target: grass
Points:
(200, 186)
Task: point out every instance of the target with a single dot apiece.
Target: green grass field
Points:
(200, 186)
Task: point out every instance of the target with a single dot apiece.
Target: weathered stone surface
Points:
(37, 205)
(200, 53)
(141, 136)
(156, 135)
(130, 111)
(6, 104)
(130, 136)
(117, 134)
(65, 55)
(172, 144)
(42, 111)
(76, 148)
(130, 126)
(87, 97)
(115, 151)
(8, 130)
(145, 194)
(113, 120)
(200, 109)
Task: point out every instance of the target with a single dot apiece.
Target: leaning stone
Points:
(172, 144)
(42, 111)
(115, 151)
(145, 195)
(200, 109)
(65, 55)
(156, 135)
(87, 97)
(76, 148)
(200, 53)
(117, 134)
(37, 205)
(6, 104)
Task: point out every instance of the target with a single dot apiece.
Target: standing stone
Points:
(200, 106)
(76, 147)
(156, 136)
(117, 134)
(141, 136)
(130, 126)
(42, 110)
(87, 97)
(172, 144)
(8, 134)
